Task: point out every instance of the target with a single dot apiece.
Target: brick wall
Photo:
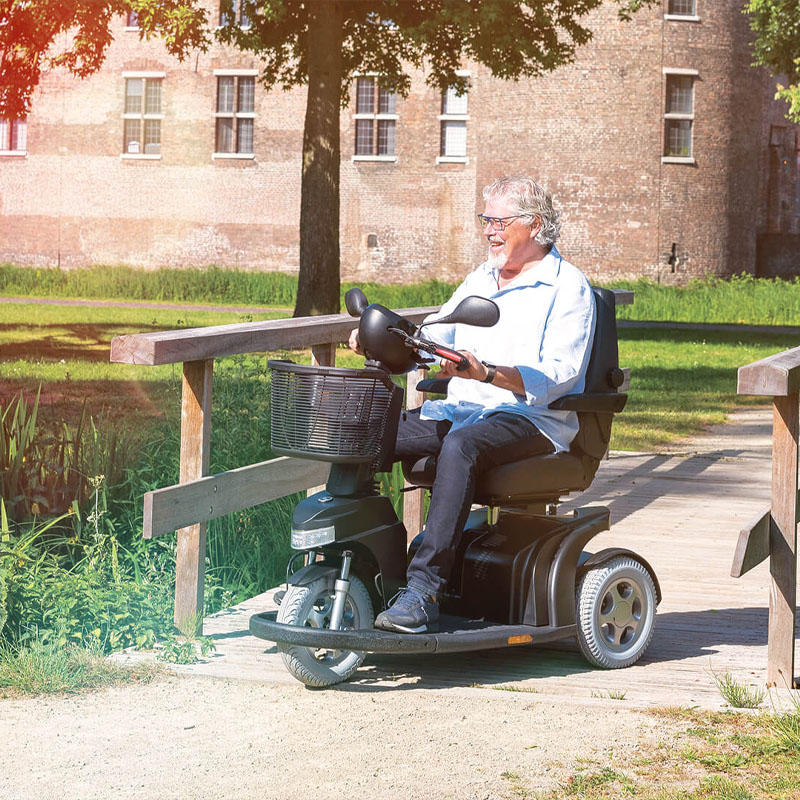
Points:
(592, 132)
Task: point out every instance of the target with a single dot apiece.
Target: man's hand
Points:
(353, 342)
(476, 371)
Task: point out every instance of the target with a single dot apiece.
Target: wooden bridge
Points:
(687, 513)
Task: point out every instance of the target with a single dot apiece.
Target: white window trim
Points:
(132, 115)
(679, 71)
(141, 156)
(235, 114)
(452, 159)
(234, 156)
(454, 117)
(376, 116)
(16, 153)
(374, 158)
(144, 74)
(679, 115)
(236, 73)
(681, 18)
(131, 28)
(678, 160)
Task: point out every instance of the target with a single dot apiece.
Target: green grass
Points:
(741, 300)
(738, 694)
(47, 668)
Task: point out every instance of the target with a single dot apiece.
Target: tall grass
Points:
(741, 299)
(213, 285)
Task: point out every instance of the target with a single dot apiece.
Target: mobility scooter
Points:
(522, 574)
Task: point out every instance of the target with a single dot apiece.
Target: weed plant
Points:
(738, 694)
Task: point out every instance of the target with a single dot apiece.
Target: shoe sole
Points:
(392, 626)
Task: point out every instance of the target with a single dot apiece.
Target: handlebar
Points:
(427, 346)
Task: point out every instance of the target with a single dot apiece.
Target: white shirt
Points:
(545, 330)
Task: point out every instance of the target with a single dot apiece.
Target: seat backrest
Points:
(602, 377)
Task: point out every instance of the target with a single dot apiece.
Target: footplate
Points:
(455, 634)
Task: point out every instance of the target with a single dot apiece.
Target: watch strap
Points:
(492, 371)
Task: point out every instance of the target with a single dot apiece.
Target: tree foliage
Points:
(777, 45)
(36, 35)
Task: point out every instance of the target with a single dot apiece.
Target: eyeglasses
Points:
(497, 223)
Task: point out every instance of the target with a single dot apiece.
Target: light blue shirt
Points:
(545, 330)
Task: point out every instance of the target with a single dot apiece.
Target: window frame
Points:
(446, 117)
(675, 17)
(132, 21)
(144, 116)
(8, 136)
(238, 16)
(235, 115)
(376, 117)
(681, 116)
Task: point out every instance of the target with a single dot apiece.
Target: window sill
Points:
(141, 156)
(131, 28)
(452, 159)
(234, 156)
(389, 159)
(677, 160)
(681, 18)
(13, 153)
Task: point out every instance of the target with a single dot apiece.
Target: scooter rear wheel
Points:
(310, 606)
(616, 605)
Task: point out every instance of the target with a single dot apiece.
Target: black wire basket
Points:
(329, 413)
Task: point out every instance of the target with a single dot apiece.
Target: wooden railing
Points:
(773, 533)
(199, 497)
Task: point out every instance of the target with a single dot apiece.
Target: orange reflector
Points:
(524, 639)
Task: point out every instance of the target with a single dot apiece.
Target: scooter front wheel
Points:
(616, 605)
(310, 606)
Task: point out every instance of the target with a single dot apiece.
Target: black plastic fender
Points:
(603, 556)
(306, 575)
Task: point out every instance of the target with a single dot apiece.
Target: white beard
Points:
(497, 260)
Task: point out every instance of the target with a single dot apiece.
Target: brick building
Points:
(661, 145)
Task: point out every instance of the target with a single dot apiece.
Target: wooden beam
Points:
(778, 375)
(623, 297)
(753, 545)
(414, 501)
(168, 509)
(783, 541)
(172, 347)
(194, 459)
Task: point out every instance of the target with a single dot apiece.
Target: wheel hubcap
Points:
(320, 617)
(620, 614)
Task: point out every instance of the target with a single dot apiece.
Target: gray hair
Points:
(528, 199)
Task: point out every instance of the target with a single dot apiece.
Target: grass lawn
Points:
(681, 381)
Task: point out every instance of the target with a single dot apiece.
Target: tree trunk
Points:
(318, 284)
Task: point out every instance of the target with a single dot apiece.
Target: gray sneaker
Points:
(410, 611)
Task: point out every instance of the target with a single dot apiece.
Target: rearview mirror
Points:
(472, 310)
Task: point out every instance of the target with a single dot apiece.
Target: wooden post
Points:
(195, 440)
(414, 501)
(783, 542)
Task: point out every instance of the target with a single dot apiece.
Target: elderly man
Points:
(496, 410)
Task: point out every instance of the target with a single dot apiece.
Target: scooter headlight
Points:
(306, 540)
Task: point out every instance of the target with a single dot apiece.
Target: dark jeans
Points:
(461, 456)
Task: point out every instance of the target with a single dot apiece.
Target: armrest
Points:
(433, 385)
(601, 402)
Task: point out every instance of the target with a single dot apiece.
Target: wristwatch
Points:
(492, 371)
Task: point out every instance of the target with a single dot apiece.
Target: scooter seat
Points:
(538, 478)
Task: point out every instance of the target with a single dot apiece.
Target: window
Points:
(142, 116)
(13, 136)
(132, 19)
(235, 114)
(681, 8)
(454, 127)
(376, 118)
(679, 115)
(233, 11)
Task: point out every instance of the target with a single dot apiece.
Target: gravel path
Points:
(203, 738)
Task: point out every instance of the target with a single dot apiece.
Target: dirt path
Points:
(204, 738)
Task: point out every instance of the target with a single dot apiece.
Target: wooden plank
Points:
(210, 497)
(753, 545)
(414, 501)
(783, 542)
(777, 375)
(623, 297)
(172, 347)
(194, 459)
